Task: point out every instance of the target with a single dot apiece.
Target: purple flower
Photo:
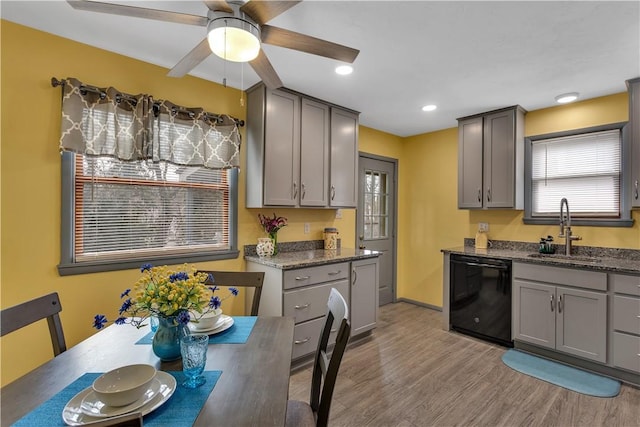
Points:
(215, 302)
(120, 321)
(272, 225)
(146, 267)
(178, 276)
(234, 291)
(125, 293)
(126, 305)
(99, 320)
(184, 317)
(210, 278)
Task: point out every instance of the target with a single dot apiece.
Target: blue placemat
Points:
(181, 409)
(238, 333)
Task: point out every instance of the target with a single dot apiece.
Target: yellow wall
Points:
(428, 218)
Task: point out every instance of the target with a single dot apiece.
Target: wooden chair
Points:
(325, 368)
(246, 279)
(21, 315)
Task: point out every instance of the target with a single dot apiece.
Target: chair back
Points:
(325, 368)
(247, 279)
(21, 315)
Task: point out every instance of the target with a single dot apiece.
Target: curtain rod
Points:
(55, 83)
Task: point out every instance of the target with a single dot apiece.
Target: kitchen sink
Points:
(566, 257)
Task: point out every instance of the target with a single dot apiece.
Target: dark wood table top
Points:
(252, 390)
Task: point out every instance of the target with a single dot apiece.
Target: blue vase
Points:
(166, 340)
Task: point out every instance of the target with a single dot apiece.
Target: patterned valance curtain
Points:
(107, 122)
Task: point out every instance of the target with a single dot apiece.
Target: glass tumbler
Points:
(194, 357)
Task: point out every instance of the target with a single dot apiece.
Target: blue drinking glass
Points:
(194, 358)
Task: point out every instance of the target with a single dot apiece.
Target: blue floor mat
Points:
(561, 375)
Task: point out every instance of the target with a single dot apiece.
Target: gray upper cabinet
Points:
(300, 152)
(344, 159)
(634, 123)
(491, 159)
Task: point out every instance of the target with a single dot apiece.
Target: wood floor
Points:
(413, 373)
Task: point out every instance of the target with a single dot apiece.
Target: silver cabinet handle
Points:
(551, 303)
(635, 193)
(488, 194)
(303, 277)
(295, 190)
(300, 307)
(334, 273)
(355, 276)
(560, 304)
(333, 330)
(304, 191)
(479, 194)
(333, 192)
(302, 341)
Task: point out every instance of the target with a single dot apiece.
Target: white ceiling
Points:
(465, 57)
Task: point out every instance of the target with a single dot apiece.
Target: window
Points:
(586, 167)
(376, 196)
(119, 214)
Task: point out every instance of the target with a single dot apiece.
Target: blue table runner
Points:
(181, 409)
(238, 333)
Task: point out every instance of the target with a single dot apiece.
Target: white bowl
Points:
(123, 385)
(207, 321)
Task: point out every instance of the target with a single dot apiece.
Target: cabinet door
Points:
(364, 295)
(581, 323)
(344, 159)
(470, 163)
(282, 149)
(534, 313)
(634, 122)
(499, 159)
(314, 154)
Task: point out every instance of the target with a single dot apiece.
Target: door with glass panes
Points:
(375, 219)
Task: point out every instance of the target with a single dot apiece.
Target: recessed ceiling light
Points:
(343, 70)
(567, 97)
(429, 107)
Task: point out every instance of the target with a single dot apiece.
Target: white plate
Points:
(92, 405)
(72, 413)
(227, 322)
(219, 322)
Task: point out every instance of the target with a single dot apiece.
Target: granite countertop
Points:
(311, 257)
(584, 257)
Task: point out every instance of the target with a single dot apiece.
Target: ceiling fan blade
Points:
(292, 40)
(264, 11)
(265, 71)
(139, 12)
(191, 60)
(218, 6)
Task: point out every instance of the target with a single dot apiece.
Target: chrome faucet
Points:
(565, 227)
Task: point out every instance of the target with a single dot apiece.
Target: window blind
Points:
(586, 169)
(140, 208)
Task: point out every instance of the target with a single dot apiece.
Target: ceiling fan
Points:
(228, 19)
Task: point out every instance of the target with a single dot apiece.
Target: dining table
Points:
(252, 377)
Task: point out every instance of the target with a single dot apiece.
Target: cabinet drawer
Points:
(306, 336)
(624, 284)
(595, 280)
(314, 275)
(626, 314)
(311, 302)
(626, 351)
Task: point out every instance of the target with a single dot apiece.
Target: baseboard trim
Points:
(418, 303)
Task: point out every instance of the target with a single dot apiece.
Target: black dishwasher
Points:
(480, 297)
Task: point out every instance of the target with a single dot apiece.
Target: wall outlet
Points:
(307, 228)
(338, 213)
(483, 226)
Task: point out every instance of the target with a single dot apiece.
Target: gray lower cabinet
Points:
(571, 319)
(626, 322)
(491, 159)
(364, 295)
(302, 293)
(634, 124)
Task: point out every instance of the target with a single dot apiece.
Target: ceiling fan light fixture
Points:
(234, 39)
(344, 70)
(565, 98)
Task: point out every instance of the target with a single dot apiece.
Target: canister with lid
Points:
(330, 238)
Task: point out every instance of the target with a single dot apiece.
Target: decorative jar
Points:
(265, 247)
(166, 340)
